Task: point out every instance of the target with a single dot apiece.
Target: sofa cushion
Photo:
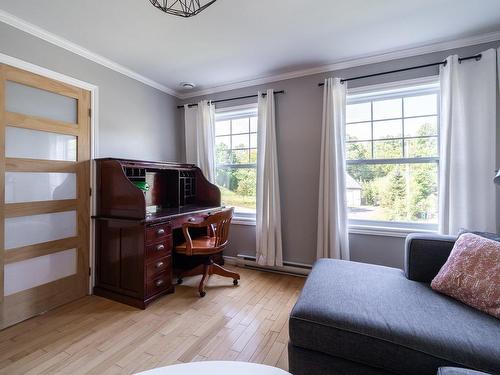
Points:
(375, 316)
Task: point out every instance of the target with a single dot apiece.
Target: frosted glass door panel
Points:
(31, 101)
(30, 230)
(35, 144)
(37, 271)
(39, 186)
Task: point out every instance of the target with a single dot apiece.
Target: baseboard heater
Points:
(249, 261)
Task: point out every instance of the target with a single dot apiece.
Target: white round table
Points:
(216, 368)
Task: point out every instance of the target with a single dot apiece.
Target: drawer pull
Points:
(160, 247)
(159, 265)
(191, 220)
(159, 283)
(160, 231)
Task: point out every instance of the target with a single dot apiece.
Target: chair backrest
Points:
(220, 223)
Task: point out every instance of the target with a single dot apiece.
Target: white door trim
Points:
(94, 128)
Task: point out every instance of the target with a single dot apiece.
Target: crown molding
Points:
(41, 33)
(350, 63)
(34, 30)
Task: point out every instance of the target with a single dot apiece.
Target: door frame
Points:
(94, 141)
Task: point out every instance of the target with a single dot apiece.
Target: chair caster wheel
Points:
(202, 294)
(235, 282)
(179, 281)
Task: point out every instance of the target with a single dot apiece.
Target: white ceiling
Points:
(239, 40)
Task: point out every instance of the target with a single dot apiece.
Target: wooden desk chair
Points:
(207, 246)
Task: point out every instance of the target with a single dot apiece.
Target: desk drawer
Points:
(158, 266)
(159, 249)
(158, 232)
(159, 283)
(194, 218)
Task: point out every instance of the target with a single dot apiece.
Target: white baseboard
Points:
(289, 268)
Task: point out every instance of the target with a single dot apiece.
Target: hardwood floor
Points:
(97, 336)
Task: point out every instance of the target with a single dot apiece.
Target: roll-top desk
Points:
(135, 224)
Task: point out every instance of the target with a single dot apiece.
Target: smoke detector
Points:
(187, 85)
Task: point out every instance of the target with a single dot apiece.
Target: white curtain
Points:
(467, 144)
(333, 236)
(268, 229)
(199, 128)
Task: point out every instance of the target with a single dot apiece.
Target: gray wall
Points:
(298, 132)
(135, 120)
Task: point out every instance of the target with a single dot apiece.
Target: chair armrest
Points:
(425, 254)
(187, 236)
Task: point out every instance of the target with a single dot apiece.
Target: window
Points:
(392, 142)
(236, 158)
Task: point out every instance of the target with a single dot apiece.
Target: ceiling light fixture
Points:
(182, 8)
(187, 85)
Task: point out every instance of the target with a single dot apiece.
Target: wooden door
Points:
(45, 188)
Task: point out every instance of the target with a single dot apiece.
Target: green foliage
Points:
(394, 198)
(401, 192)
(371, 193)
(247, 182)
(238, 184)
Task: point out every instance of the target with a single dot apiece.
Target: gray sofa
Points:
(355, 318)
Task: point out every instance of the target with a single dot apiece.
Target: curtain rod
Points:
(227, 100)
(476, 57)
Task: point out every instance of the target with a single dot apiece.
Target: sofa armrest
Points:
(425, 254)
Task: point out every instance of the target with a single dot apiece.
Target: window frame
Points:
(398, 89)
(234, 113)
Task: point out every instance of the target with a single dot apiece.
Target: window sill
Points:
(243, 221)
(386, 231)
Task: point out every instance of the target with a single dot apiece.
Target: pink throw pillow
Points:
(472, 273)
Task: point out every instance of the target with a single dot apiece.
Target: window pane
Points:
(421, 147)
(222, 150)
(223, 127)
(385, 109)
(387, 129)
(225, 141)
(241, 141)
(37, 102)
(241, 125)
(358, 112)
(35, 144)
(359, 132)
(33, 272)
(39, 186)
(421, 126)
(253, 124)
(420, 105)
(30, 230)
(238, 187)
(253, 140)
(388, 149)
(241, 156)
(223, 156)
(253, 155)
(393, 192)
(359, 150)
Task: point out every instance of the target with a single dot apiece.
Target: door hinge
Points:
(90, 192)
(90, 112)
(90, 271)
